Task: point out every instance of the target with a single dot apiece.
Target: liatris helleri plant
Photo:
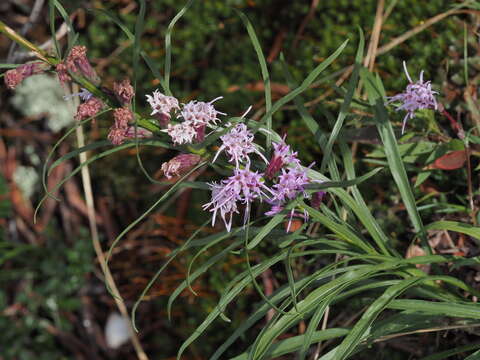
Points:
(340, 261)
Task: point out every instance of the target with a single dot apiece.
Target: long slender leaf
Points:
(346, 103)
(294, 343)
(473, 231)
(264, 69)
(168, 46)
(305, 84)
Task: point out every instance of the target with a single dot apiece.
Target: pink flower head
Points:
(123, 91)
(162, 105)
(88, 109)
(182, 133)
(13, 78)
(291, 182)
(122, 117)
(201, 113)
(282, 155)
(243, 186)
(418, 95)
(180, 165)
(224, 200)
(238, 143)
(16, 76)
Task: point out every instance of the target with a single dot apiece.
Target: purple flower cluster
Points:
(238, 144)
(245, 186)
(418, 95)
(196, 116)
(290, 183)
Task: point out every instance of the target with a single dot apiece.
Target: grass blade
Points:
(168, 46)
(264, 69)
(346, 103)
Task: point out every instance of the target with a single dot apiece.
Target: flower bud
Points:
(77, 62)
(88, 109)
(317, 199)
(16, 76)
(180, 165)
(123, 91)
(122, 117)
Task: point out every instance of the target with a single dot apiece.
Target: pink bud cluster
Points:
(122, 128)
(192, 117)
(89, 108)
(16, 76)
(418, 95)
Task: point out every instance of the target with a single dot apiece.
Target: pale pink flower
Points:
(62, 73)
(201, 113)
(116, 135)
(417, 95)
(238, 144)
(291, 182)
(162, 105)
(182, 133)
(243, 186)
(77, 62)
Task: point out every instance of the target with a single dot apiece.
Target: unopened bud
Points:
(123, 91)
(16, 76)
(88, 109)
(122, 117)
(180, 165)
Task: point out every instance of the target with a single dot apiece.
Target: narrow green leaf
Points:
(71, 34)
(458, 350)
(474, 356)
(343, 184)
(168, 46)
(292, 344)
(274, 221)
(473, 231)
(264, 69)
(341, 230)
(305, 84)
(346, 103)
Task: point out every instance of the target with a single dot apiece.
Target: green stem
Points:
(14, 36)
